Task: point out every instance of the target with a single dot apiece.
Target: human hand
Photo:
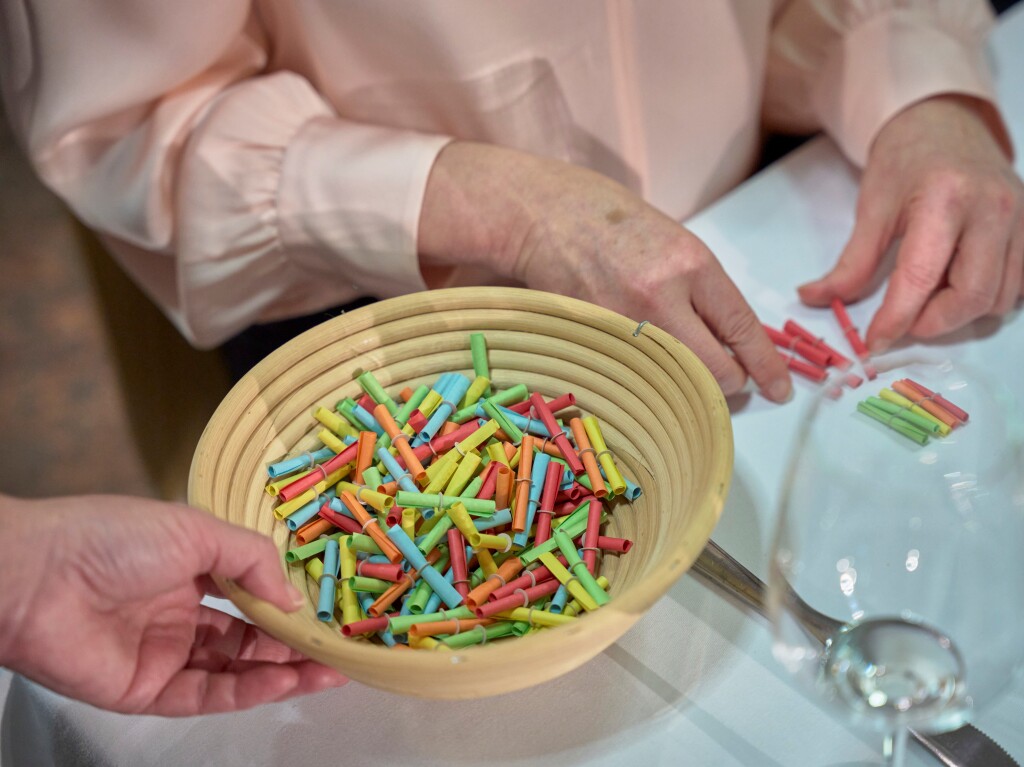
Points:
(938, 178)
(569, 230)
(102, 598)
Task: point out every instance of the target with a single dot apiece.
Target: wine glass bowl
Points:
(895, 579)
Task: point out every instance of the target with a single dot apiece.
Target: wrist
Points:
(17, 572)
(967, 115)
(478, 202)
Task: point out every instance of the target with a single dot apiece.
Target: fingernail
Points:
(297, 597)
(879, 346)
(780, 391)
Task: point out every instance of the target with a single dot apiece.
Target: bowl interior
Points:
(662, 413)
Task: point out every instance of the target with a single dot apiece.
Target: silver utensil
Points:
(964, 747)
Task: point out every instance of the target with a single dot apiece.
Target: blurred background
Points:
(86, 407)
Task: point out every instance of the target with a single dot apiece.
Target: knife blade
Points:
(966, 746)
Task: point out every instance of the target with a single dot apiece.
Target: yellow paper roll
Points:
(604, 457)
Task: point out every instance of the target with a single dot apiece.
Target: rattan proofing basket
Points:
(663, 414)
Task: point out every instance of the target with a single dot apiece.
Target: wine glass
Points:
(896, 580)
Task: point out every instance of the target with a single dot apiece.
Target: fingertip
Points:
(813, 293)
(297, 598)
(780, 390)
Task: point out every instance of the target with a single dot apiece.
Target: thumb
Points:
(246, 557)
(856, 265)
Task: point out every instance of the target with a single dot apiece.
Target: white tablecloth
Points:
(694, 682)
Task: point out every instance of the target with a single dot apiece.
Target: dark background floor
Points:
(63, 421)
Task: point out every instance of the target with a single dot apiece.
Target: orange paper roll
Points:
(401, 442)
(523, 484)
(941, 401)
(540, 407)
(365, 446)
(388, 598)
(371, 526)
(508, 570)
(546, 445)
(930, 405)
(312, 530)
(375, 500)
(589, 457)
(437, 628)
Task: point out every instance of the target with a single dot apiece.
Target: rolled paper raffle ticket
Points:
(809, 352)
(853, 336)
(508, 570)
(457, 553)
(806, 369)
(478, 353)
(537, 473)
(941, 401)
(927, 425)
(589, 458)
(571, 582)
(578, 568)
(371, 526)
(546, 509)
(523, 482)
(925, 403)
(400, 440)
(328, 582)
(299, 486)
(898, 399)
(894, 422)
(415, 558)
(604, 456)
(350, 610)
(453, 393)
(372, 387)
(835, 358)
(540, 407)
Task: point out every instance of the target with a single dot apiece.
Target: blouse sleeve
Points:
(848, 66)
(232, 195)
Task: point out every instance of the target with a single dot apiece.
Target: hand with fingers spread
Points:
(101, 603)
(569, 230)
(939, 180)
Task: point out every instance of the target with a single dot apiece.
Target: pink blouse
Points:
(250, 160)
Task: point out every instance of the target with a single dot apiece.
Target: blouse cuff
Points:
(349, 203)
(887, 63)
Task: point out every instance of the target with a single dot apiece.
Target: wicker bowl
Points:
(663, 415)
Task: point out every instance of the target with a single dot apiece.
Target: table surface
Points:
(693, 682)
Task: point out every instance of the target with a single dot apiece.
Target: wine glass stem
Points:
(895, 748)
